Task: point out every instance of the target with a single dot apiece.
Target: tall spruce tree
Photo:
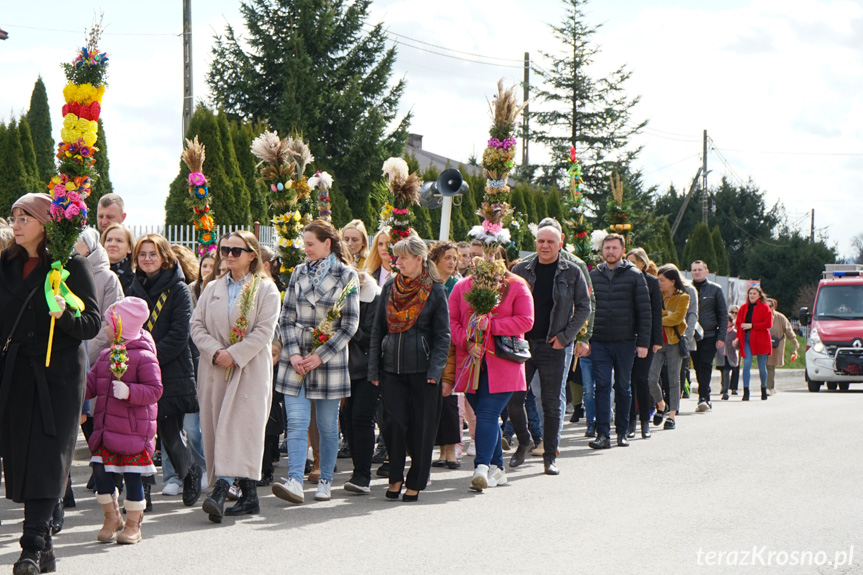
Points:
(312, 67)
(39, 117)
(102, 185)
(593, 114)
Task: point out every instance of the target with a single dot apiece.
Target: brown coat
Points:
(234, 413)
(781, 329)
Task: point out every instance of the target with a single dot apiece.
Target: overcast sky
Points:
(775, 84)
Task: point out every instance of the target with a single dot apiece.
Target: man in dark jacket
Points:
(621, 330)
(712, 314)
(561, 308)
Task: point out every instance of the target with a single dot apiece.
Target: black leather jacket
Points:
(358, 347)
(712, 309)
(421, 349)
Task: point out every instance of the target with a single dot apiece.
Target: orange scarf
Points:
(406, 301)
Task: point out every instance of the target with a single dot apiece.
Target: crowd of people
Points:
(366, 335)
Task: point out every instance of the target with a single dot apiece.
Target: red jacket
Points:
(759, 336)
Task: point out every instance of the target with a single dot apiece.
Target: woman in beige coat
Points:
(235, 380)
(780, 331)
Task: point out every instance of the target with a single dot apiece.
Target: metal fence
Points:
(185, 235)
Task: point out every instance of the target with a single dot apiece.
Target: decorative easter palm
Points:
(199, 194)
(573, 211)
(325, 330)
(76, 174)
(117, 356)
(241, 325)
(401, 190)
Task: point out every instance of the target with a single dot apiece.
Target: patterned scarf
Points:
(407, 299)
(319, 269)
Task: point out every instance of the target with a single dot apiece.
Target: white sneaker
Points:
(702, 407)
(323, 492)
(172, 489)
(480, 478)
(496, 477)
(290, 490)
(471, 450)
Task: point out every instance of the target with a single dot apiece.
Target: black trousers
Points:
(448, 429)
(641, 388)
(174, 443)
(702, 360)
(549, 363)
(413, 408)
(359, 425)
(37, 516)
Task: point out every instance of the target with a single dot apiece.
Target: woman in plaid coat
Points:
(320, 374)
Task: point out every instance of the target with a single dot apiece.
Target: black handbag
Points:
(775, 341)
(12, 332)
(683, 347)
(511, 347)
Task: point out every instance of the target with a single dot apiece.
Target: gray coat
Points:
(108, 292)
(303, 309)
(572, 299)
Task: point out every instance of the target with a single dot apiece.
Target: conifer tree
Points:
(233, 204)
(28, 157)
(39, 118)
(699, 246)
(576, 108)
(314, 68)
(103, 183)
(242, 135)
(15, 181)
(721, 253)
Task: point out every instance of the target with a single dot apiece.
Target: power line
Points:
(412, 39)
(403, 43)
(784, 153)
(742, 229)
(11, 26)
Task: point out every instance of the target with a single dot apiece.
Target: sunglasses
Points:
(236, 252)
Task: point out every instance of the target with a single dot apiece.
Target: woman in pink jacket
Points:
(499, 377)
(124, 419)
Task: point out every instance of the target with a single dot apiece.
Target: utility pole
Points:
(525, 133)
(812, 227)
(187, 66)
(704, 203)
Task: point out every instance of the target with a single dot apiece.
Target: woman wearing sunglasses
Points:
(235, 377)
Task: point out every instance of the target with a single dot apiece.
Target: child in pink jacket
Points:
(124, 419)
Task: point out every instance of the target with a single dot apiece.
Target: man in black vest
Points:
(621, 329)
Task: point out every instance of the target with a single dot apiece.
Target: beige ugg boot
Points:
(113, 520)
(134, 516)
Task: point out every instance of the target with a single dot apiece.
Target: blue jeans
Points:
(192, 427)
(617, 356)
(747, 365)
(585, 364)
(298, 411)
(487, 407)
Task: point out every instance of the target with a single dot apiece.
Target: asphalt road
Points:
(780, 476)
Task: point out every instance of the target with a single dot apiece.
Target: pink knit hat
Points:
(132, 313)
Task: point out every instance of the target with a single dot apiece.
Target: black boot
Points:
(248, 503)
(47, 560)
(745, 394)
(57, 518)
(148, 503)
(645, 429)
(69, 497)
(763, 393)
(30, 560)
(214, 504)
(521, 452)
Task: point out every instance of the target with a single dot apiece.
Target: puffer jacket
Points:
(712, 309)
(421, 349)
(171, 333)
(358, 347)
(126, 426)
(622, 304)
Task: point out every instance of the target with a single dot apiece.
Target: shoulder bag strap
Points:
(157, 310)
(18, 320)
